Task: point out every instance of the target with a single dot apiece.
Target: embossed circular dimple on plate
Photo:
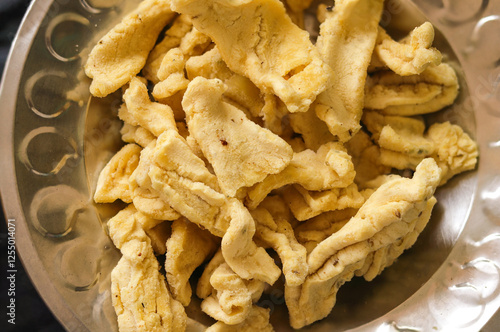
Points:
(55, 140)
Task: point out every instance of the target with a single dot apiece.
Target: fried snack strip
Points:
(122, 52)
(257, 320)
(385, 256)
(346, 42)
(391, 212)
(136, 134)
(330, 167)
(456, 152)
(410, 56)
(240, 251)
(258, 40)
(226, 296)
(181, 179)
(393, 202)
(316, 229)
(140, 110)
(433, 89)
(278, 234)
(366, 158)
(112, 183)
(144, 197)
(399, 134)
(171, 39)
(241, 152)
(187, 248)
(139, 293)
(307, 204)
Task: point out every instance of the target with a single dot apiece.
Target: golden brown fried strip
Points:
(392, 212)
(240, 252)
(386, 256)
(330, 167)
(113, 180)
(392, 202)
(257, 320)
(136, 134)
(400, 134)
(139, 293)
(187, 248)
(412, 55)
(241, 152)
(122, 52)
(258, 40)
(346, 42)
(307, 204)
(455, 151)
(140, 110)
(366, 158)
(171, 39)
(435, 88)
(311, 232)
(278, 234)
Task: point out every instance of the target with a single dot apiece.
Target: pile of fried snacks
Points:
(251, 152)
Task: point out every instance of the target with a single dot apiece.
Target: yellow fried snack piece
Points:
(433, 89)
(112, 183)
(392, 202)
(257, 320)
(346, 42)
(455, 151)
(158, 236)
(181, 179)
(240, 90)
(122, 52)
(171, 39)
(330, 167)
(140, 110)
(173, 84)
(307, 204)
(144, 197)
(315, 230)
(314, 131)
(139, 293)
(278, 234)
(136, 134)
(400, 160)
(231, 300)
(399, 134)
(390, 213)
(386, 256)
(412, 55)
(226, 295)
(258, 40)
(187, 248)
(240, 251)
(241, 152)
(366, 158)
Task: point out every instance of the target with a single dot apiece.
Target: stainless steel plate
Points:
(55, 138)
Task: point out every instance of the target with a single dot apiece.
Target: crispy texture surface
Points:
(241, 152)
(139, 293)
(258, 40)
(432, 90)
(187, 248)
(122, 52)
(412, 55)
(391, 212)
(330, 167)
(112, 183)
(346, 42)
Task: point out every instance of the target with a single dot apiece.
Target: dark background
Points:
(31, 312)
